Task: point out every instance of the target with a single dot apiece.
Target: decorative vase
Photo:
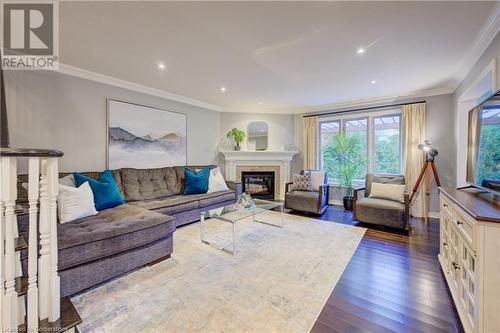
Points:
(348, 203)
(237, 147)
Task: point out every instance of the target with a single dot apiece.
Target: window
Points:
(387, 139)
(327, 131)
(358, 128)
(490, 137)
(379, 138)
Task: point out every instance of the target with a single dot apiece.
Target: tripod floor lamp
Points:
(428, 169)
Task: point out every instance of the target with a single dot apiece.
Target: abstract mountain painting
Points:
(144, 137)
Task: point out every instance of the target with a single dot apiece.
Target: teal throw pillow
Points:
(106, 193)
(196, 182)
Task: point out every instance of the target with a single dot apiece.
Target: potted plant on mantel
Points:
(343, 155)
(238, 136)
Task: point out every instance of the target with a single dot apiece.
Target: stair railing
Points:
(43, 290)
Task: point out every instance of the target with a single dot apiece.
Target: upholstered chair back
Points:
(381, 178)
(325, 181)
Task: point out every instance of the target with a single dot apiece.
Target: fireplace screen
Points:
(259, 184)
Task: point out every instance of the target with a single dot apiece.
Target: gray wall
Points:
(439, 129)
(281, 129)
(461, 108)
(52, 110)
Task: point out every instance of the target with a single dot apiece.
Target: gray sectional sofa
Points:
(96, 249)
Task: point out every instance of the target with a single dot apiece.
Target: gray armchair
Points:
(382, 211)
(314, 202)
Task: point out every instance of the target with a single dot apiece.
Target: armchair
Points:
(381, 211)
(314, 202)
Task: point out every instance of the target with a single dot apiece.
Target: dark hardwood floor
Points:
(393, 283)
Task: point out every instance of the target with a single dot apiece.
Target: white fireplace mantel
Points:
(233, 155)
(281, 159)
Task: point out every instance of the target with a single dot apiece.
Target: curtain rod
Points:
(361, 109)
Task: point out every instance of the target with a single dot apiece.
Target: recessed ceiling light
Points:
(260, 103)
(360, 50)
(162, 66)
(223, 89)
(373, 81)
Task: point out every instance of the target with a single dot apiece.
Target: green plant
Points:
(343, 153)
(237, 135)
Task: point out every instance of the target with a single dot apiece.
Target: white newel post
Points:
(33, 194)
(42, 299)
(53, 187)
(44, 263)
(9, 195)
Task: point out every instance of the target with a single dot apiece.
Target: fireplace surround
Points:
(259, 184)
(276, 161)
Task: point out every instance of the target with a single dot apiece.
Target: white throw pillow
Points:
(216, 181)
(75, 202)
(317, 179)
(68, 180)
(393, 192)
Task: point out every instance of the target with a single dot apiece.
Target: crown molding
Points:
(488, 32)
(113, 81)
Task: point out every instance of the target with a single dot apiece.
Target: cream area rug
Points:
(278, 280)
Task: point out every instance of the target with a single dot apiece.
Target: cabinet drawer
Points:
(466, 227)
(445, 205)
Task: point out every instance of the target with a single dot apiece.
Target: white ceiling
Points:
(289, 56)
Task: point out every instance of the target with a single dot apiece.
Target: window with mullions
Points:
(378, 135)
(387, 144)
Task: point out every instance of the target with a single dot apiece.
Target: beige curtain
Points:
(473, 142)
(413, 122)
(310, 142)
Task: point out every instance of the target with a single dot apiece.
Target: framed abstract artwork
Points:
(144, 137)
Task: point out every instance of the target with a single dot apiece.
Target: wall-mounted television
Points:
(483, 145)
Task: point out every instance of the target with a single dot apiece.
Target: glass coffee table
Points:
(231, 214)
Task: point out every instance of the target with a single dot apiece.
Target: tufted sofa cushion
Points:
(110, 231)
(144, 184)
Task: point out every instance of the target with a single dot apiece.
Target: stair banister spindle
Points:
(53, 187)
(33, 194)
(9, 194)
(44, 257)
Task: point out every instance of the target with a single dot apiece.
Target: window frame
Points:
(342, 118)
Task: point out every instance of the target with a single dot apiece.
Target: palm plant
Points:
(343, 153)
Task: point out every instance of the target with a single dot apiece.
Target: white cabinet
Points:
(470, 259)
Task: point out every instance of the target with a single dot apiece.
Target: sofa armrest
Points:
(235, 186)
(287, 186)
(356, 191)
(356, 195)
(323, 196)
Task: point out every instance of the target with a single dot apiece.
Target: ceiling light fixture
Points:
(223, 89)
(162, 66)
(360, 50)
(260, 103)
(373, 81)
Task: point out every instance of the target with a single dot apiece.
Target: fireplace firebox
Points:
(259, 184)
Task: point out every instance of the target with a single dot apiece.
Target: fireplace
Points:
(259, 184)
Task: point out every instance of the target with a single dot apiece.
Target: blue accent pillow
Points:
(106, 193)
(196, 182)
